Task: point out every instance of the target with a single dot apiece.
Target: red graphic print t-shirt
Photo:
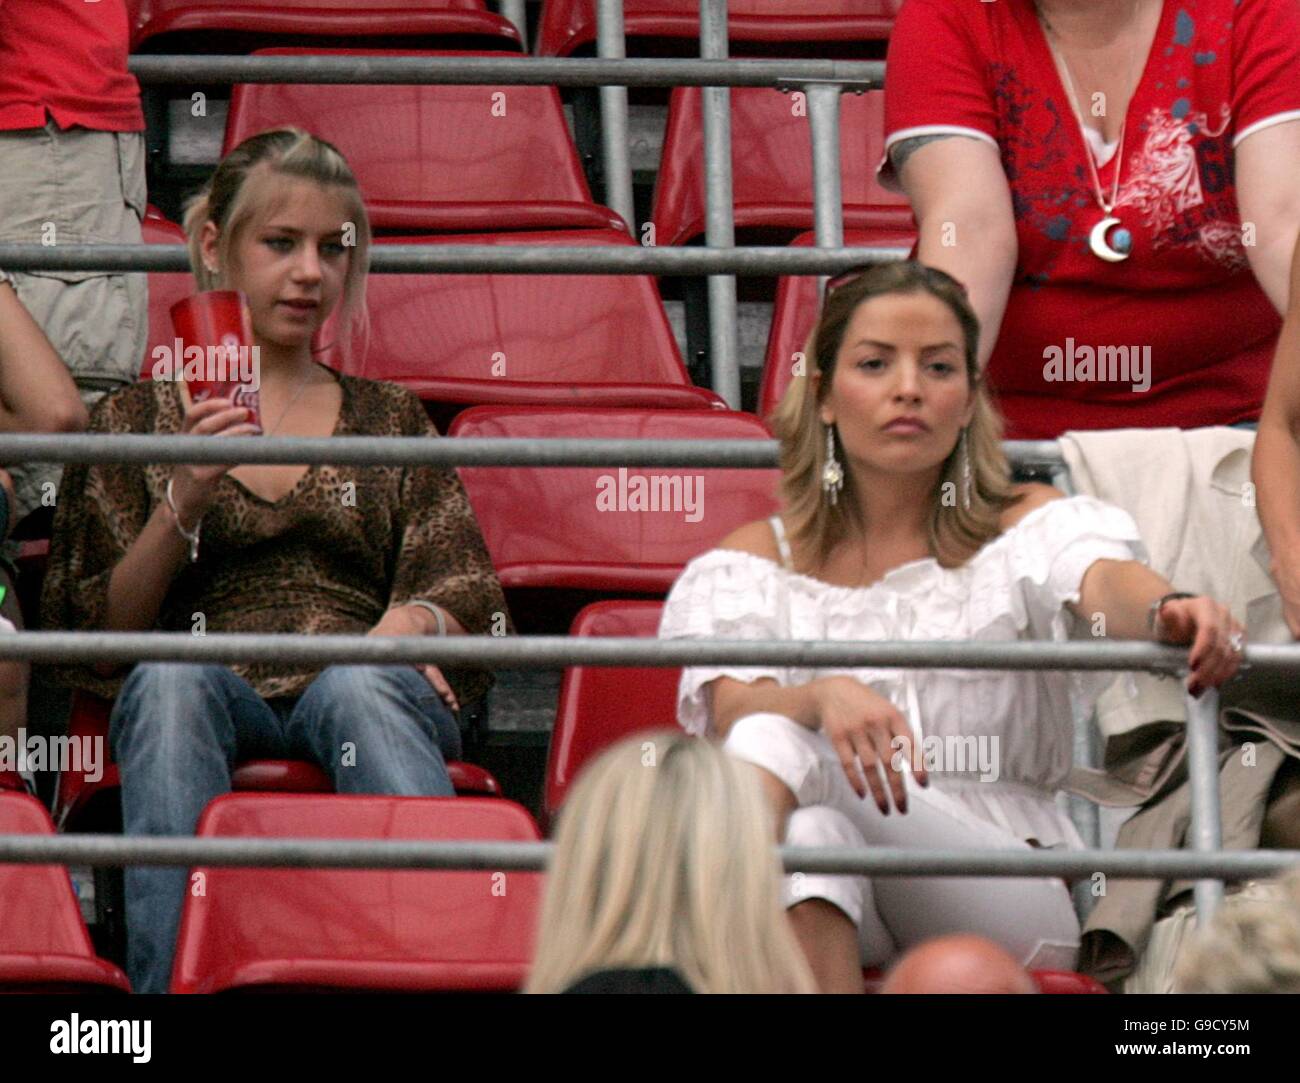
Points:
(1184, 304)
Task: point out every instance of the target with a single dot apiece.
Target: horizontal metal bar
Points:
(417, 451)
(485, 259)
(109, 850)
(555, 652)
(506, 70)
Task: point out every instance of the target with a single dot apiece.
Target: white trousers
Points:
(1033, 919)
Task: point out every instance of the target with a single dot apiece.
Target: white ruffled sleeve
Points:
(724, 594)
(1048, 552)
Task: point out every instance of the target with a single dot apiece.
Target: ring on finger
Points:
(1237, 641)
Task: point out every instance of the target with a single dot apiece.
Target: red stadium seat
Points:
(223, 26)
(165, 289)
(44, 945)
(567, 25)
(795, 313)
(549, 527)
(81, 804)
(772, 165)
(602, 704)
(437, 158)
(415, 931)
(527, 339)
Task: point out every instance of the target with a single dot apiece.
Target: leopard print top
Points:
(345, 545)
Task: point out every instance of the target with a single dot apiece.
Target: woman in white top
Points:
(901, 522)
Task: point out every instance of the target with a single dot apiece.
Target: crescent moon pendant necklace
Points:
(1120, 247)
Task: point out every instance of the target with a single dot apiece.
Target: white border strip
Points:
(885, 171)
(1267, 122)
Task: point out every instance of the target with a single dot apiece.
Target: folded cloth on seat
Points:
(1253, 748)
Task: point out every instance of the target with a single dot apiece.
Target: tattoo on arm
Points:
(905, 148)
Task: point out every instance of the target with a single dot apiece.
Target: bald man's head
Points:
(958, 964)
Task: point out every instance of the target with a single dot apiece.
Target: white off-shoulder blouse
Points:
(1015, 587)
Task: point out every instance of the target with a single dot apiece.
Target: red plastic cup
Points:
(214, 349)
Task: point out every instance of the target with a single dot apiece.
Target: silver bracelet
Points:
(437, 613)
(192, 537)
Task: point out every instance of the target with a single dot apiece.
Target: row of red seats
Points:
(419, 151)
(461, 339)
(566, 26)
(531, 339)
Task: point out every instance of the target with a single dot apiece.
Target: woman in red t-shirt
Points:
(1125, 231)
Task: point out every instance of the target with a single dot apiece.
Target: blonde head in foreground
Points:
(1251, 946)
(665, 858)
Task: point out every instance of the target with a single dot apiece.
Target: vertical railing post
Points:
(828, 197)
(720, 228)
(515, 11)
(610, 43)
(1205, 831)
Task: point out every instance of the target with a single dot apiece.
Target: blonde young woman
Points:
(665, 879)
(900, 522)
(272, 549)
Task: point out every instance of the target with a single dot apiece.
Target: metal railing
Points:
(487, 259)
(823, 81)
(421, 451)
(558, 651)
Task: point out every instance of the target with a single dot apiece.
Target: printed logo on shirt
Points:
(1104, 364)
(652, 492)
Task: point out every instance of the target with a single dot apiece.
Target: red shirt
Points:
(1184, 304)
(67, 58)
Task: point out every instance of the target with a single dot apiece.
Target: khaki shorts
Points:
(76, 186)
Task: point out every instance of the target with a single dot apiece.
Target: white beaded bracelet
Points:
(192, 537)
(437, 613)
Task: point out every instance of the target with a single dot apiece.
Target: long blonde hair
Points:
(231, 202)
(664, 858)
(816, 525)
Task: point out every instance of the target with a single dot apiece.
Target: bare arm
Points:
(1122, 592)
(962, 203)
(1267, 163)
(730, 699)
(37, 393)
(140, 581)
(1276, 464)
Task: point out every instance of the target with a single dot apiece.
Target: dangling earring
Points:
(832, 472)
(965, 472)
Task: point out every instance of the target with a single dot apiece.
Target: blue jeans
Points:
(178, 729)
